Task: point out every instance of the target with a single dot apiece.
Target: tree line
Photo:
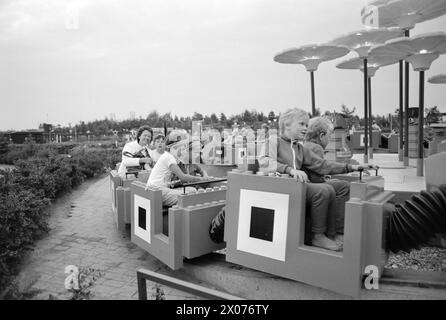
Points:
(251, 118)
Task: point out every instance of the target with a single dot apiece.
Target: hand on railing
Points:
(364, 169)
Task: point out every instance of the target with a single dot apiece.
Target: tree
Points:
(433, 115)
(197, 116)
(349, 116)
(247, 117)
(214, 118)
(271, 116)
(207, 120)
(223, 118)
(346, 111)
(153, 118)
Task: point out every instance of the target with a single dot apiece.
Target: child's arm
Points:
(174, 168)
(315, 163)
(321, 166)
(268, 159)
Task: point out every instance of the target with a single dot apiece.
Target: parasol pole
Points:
(421, 127)
(366, 160)
(400, 116)
(406, 109)
(313, 103)
(370, 118)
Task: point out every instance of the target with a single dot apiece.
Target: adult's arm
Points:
(127, 160)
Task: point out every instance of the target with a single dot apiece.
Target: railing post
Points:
(142, 287)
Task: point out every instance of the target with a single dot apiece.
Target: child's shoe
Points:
(339, 238)
(321, 241)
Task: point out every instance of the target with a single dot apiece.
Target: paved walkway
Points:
(397, 176)
(83, 233)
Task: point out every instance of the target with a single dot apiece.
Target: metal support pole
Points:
(313, 103)
(400, 116)
(142, 287)
(366, 120)
(420, 159)
(370, 118)
(406, 110)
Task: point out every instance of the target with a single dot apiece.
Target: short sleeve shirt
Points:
(160, 175)
(155, 155)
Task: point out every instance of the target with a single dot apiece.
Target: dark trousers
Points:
(336, 212)
(326, 202)
(319, 197)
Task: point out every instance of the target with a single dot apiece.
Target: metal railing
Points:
(142, 275)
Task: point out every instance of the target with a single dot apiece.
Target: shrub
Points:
(22, 219)
(26, 190)
(90, 163)
(93, 161)
(51, 177)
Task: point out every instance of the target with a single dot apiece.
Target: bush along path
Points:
(28, 189)
(83, 234)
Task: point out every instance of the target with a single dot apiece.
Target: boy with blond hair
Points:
(291, 157)
(316, 139)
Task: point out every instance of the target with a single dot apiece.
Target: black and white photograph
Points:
(242, 150)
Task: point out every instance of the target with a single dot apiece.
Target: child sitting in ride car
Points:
(159, 142)
(317, 139)
(161, 175)
(292, 157)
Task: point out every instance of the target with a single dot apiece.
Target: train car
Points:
(121, 195)
(265, 225)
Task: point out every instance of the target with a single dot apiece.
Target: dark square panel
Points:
(142, 218)
(262, 223)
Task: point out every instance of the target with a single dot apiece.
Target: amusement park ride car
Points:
(265, 224)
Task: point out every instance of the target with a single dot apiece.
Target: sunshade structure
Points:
(403, 14)
(420, 51)
(439, 78)
(361, 42)
(373, 64)
(311, 56)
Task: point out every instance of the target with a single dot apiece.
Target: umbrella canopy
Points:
(361, 41)
(420, 50)
(311, 55)
(439, 78)
(401, 13)
(373, 63)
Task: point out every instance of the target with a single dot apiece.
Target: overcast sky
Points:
(65, 61)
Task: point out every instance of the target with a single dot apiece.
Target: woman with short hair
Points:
(136, 153)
